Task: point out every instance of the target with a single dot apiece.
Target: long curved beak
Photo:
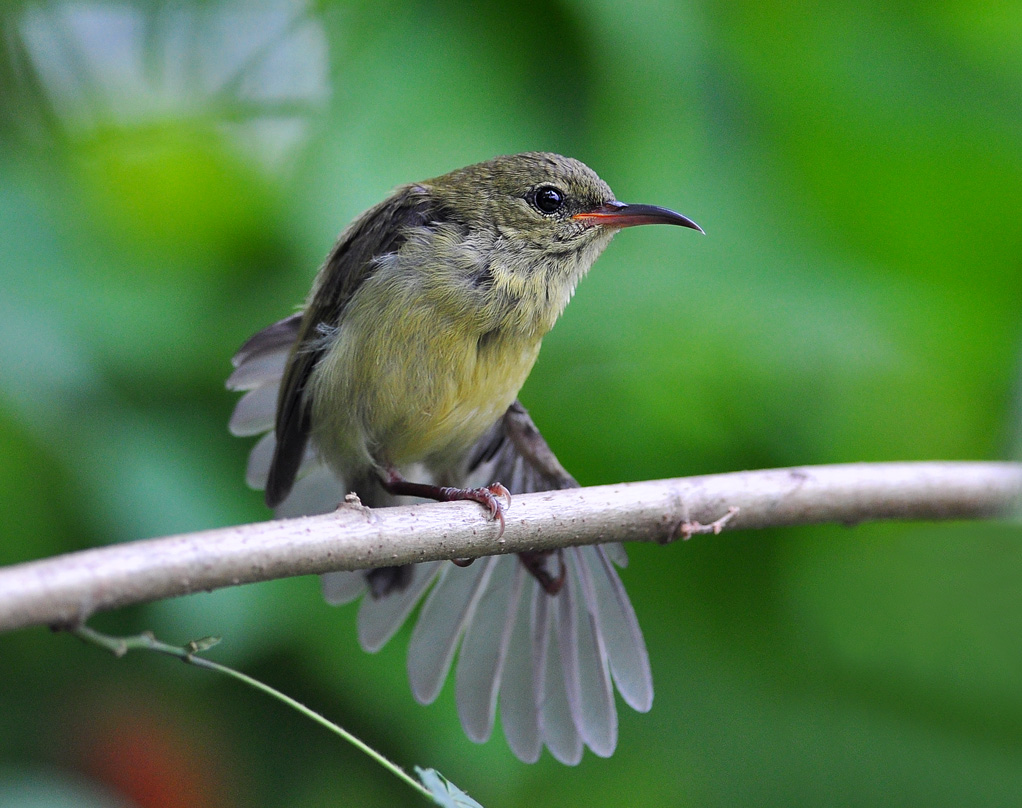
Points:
(618, 214)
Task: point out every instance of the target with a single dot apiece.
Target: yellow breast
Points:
(412, 383)
(481, 386)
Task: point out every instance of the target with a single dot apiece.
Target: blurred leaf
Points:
(44, 789)
(444, 792)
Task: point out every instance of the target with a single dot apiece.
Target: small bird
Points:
(400, 377)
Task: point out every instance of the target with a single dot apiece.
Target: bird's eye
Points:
(548, 199)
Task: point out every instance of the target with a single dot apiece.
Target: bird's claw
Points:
(497, 489)
(394, 483)
(488, 497)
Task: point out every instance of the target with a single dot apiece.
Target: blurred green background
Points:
(171, 174)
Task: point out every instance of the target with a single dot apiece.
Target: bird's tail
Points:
(550, 661)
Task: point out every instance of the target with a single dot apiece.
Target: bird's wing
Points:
(513, 452)
(258, 367)
(378, 232)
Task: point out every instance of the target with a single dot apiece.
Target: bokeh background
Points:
(171, 175)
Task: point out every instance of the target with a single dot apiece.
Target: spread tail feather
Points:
(550, 661)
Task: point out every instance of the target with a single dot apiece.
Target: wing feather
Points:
(378, 232)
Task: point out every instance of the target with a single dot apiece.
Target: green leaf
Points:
(444, 792)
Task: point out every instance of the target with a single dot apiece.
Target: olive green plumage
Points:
(427, 316)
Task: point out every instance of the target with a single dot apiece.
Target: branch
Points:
(190, 654)
(65, 590)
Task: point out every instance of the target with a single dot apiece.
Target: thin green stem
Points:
(119, 646)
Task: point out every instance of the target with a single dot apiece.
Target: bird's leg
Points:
(534, 563)
(395, 484)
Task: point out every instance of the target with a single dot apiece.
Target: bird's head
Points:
(542, 204)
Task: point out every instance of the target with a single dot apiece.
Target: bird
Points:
(400, 377)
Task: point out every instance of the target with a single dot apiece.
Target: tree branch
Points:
(66, 589)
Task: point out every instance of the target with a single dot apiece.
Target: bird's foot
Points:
(535, 563)
(486, 496)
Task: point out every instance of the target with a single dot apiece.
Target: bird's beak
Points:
(618, 214)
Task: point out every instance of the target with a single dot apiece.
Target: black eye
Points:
(548, 199)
